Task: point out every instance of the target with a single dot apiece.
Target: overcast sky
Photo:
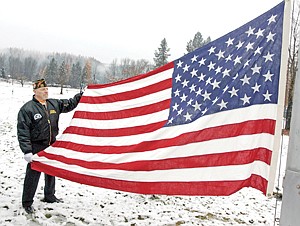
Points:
(116, 29)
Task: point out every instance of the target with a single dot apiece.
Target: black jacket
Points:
(37, 127)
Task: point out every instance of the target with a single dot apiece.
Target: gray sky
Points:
(116, 29)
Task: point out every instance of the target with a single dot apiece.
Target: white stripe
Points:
(220, 173)
(127, 104)
(120, 123)
(255, 112)
(232, 144)
(150, 80)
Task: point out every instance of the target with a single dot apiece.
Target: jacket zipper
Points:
(48, 117)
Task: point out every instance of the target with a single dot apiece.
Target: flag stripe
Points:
(229, 158)
(131, 94)
(132, 112)
(233, 144)
(216, 173)
(225, 187)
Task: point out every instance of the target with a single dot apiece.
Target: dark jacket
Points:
(37, 127)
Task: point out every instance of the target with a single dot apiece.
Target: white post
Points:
(290, 209)
(281, 95)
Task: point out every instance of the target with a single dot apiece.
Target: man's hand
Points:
(28, 157)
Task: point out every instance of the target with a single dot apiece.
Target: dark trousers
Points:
(31, 182)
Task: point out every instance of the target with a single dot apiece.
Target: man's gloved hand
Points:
(28, 157)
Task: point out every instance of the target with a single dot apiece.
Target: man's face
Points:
(41, 93)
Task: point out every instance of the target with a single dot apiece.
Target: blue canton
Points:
(235, 71)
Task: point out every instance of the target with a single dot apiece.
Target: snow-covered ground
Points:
(87, 205)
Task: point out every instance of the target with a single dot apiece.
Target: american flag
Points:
(203, 124)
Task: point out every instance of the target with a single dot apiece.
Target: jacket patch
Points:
(37, 116)
(52, 112)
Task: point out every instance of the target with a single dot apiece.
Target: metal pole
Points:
(290, 209)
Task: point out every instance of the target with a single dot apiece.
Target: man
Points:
(37, 129)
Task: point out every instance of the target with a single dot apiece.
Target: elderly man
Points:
(37, 129)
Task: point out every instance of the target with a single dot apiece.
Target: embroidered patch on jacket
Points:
(52, 111)
(37, 116)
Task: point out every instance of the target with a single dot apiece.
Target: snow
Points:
(87, 205)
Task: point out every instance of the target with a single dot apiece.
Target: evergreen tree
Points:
(197, 42)
(3, 72)
(62, 75)
(75, 77)
(162, 54)
(51, 73)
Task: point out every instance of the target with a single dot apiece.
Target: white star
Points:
(229, 42)
(235, 77)
(259, 33)
(194, 58)
(188, 117)
(179, 112)
(177, 93)
(199, 91)
(255, 69)
(220, 54)
(272, 19)
(245, 80)
(270, 37)
(211, 66)
(246, 64)
(204, 111)
(267, 96)
(215, 100)
(202, 62)
(268, 76)
(218, 70)
(186, 68)
(190, 102)
(268, 57)
(196, 106)
(201, 77)
(211, 50)
(222, 104)
(229, 57)
(239, 45)
(170, 120)
(237, 60)
(245, 99)
(226, 72)
(250, 31)
(185, 83)
(225, 88)
(208, 81)
(233, 92)
(257, 51)
(215, 84)
(175, 107)
(206, 95)
(192, 88)
(256, 88)
(179, 64)
(194, 72)
(183, 97)
(249, 46)
(178, 78)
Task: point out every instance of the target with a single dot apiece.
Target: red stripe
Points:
(219, 159)
(224, 131)
(127, 113)
(134, 78)
(202, 188)
(115, 132)
(128, 95)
